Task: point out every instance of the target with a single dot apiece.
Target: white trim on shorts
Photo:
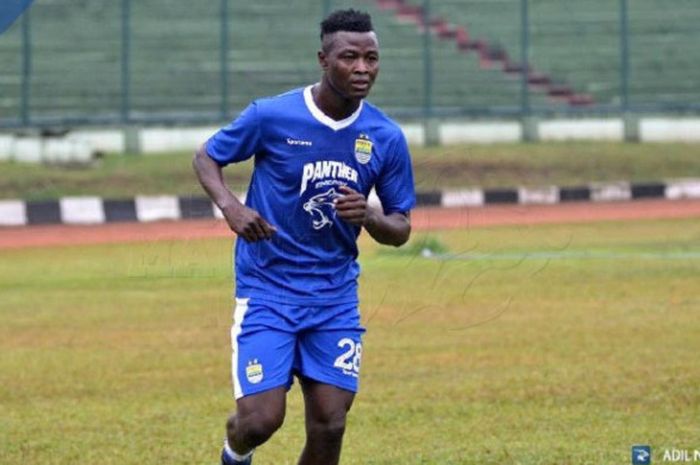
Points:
(236, 328)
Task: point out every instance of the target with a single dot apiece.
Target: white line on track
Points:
(562, 255)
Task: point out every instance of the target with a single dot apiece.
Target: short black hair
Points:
(346, 20)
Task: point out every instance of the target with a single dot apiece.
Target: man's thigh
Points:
(325, 403)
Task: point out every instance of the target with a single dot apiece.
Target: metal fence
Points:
(74, 62)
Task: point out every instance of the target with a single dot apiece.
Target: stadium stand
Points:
(576, 45)
(174, 51)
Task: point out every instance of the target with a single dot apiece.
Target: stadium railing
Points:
(67, 62)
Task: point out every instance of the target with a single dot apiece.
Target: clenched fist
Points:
(248, 223)
(351, 206)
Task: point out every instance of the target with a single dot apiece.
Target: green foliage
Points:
(559, 344)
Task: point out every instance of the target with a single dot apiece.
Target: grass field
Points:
(560, 344)
(501, 165)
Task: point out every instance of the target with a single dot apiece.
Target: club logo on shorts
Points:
(254, 371)
(363, 149)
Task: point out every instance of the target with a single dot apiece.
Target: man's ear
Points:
(322, 60)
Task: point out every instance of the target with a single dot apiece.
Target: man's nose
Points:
(362, 66)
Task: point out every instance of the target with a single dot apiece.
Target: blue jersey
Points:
(302, 157)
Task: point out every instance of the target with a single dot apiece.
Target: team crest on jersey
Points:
(254, 371)
(363, 149)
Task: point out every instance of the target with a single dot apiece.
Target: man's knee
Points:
(254, 428)
(328, 428)
(257, 417)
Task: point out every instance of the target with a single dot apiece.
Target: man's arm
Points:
(244, 221)
(392, 229)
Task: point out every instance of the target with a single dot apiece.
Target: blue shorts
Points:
(272, 342)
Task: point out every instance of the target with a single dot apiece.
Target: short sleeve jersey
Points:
(302, 158)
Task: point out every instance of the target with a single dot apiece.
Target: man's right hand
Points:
(248, 223)
(245, 222)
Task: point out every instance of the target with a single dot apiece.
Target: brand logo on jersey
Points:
(321, 207)
(363, 149)
(326, 170)
(306, 143)
(254, 371)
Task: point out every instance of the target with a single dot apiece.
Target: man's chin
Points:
(358, 94)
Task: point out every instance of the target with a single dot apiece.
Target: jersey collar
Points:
(326, 120)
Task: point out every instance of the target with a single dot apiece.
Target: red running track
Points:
(423, 219)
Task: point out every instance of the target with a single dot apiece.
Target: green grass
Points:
(119, 354)
(502, 165)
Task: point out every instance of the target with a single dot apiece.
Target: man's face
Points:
(350, 62)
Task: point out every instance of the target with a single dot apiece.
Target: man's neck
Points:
(331, 103)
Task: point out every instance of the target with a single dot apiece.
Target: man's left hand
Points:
(352, 206)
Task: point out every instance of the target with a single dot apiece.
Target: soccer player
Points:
(318, 152)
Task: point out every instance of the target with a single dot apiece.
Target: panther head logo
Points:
(321, 208)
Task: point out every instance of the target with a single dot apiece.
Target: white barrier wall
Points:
(166, 139)
(583, 129)
(480, 133)
(154, 140)
(103, 140)
(669, 130)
